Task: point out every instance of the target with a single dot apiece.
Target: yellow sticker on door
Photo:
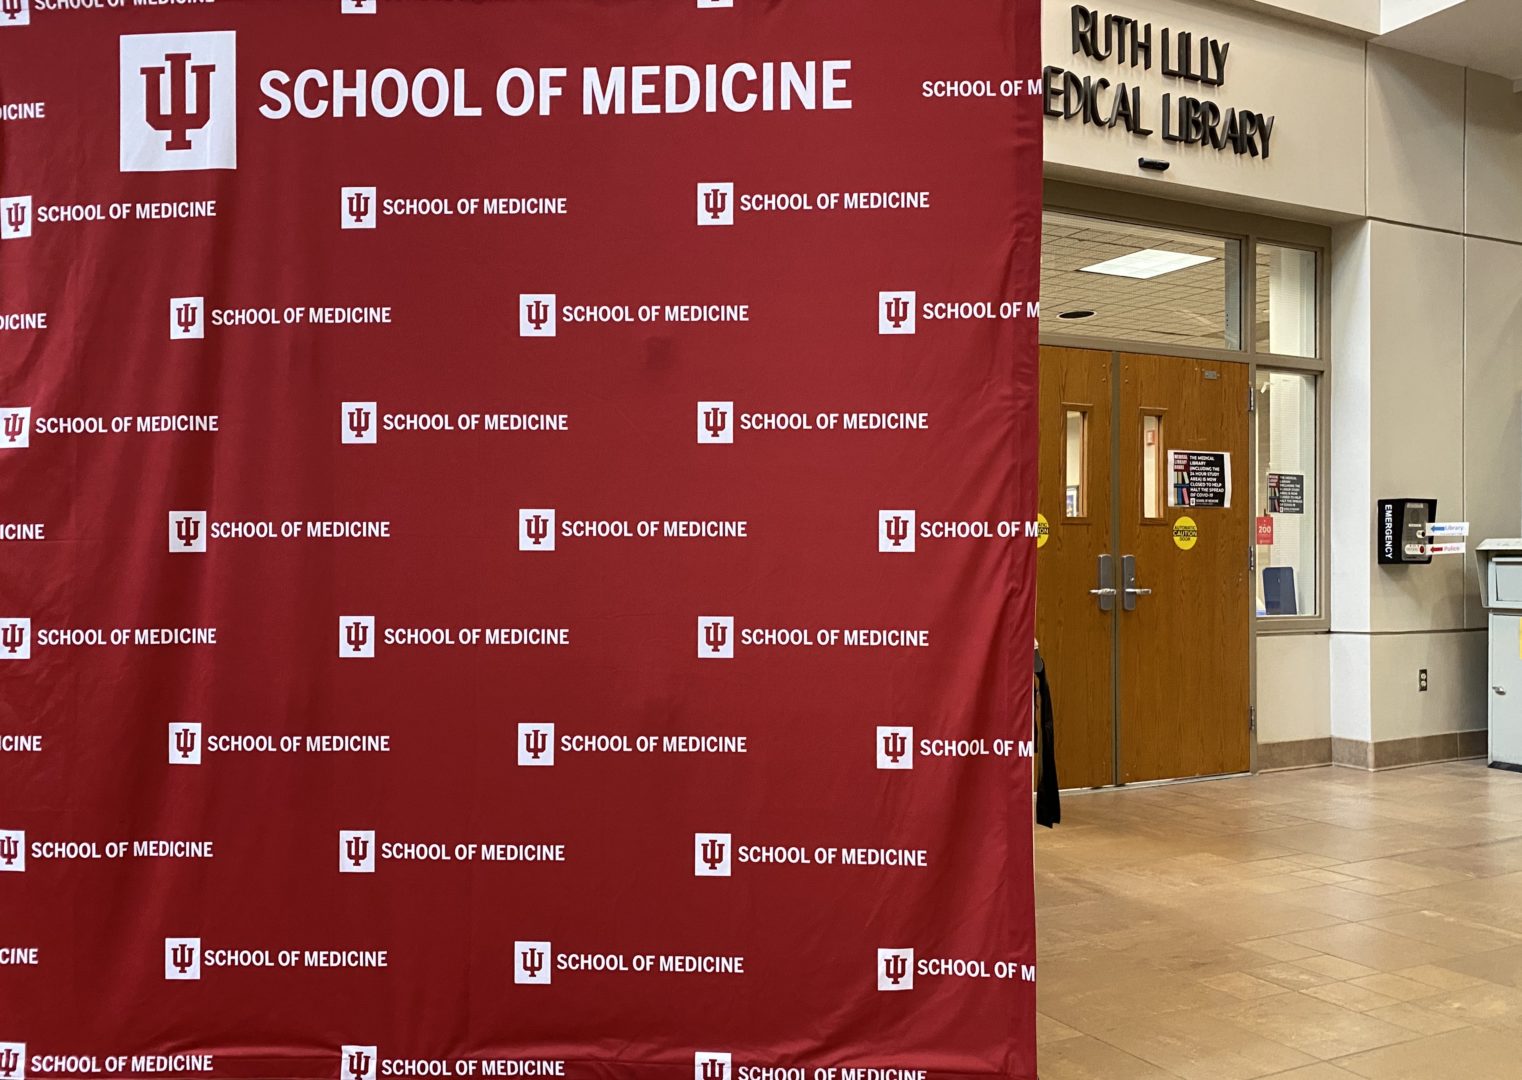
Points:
(1185, 533)
(1043, 530)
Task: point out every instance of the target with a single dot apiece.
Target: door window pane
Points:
(1116, 280)
(1152, 466)
(1285, 321)
(1076, 464)
(1286, 493)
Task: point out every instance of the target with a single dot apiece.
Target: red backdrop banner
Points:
(516, 538)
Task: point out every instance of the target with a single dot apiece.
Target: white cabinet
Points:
(1506, 689)
(1500, 567)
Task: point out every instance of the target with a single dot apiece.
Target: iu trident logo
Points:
(895, 969)
(12, 851)
(182, 958)
(357, 423)
(15, 216)
(12, 1055)
(716, 204)
(716, 637)
(356, 637)
(536, 744)
(14, 13)
(15, 639)
(711, 854)
(895, 312)
(178, 117)
(531, 963)
(187, 318)
(895, 748)
(358, 1062)
(358, 208)
(711, 1065)
(716, 423)
(184, 744)
(187, 532)
(356, 851)
(16, 428)
(896, 531)
(536, 530)
(178, 101)
(536, 314)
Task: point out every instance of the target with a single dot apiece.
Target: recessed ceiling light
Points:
(1080, 313)
(1149, 263)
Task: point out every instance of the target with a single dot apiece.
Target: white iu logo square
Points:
(716, 204)
(184, 744)
(15, 215)
(356, 207)
(179, 101)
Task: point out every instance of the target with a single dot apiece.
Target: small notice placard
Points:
(1286, 493)
(1201, 478)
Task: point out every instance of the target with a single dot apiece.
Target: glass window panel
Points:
(1285, 322)
(1286, 494)
(1152, 466)
(1076, 464)
(1112, 279)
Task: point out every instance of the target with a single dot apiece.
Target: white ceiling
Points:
(1481, 34)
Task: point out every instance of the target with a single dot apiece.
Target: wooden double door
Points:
(1144, 583)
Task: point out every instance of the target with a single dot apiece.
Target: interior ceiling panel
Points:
(1187, 307)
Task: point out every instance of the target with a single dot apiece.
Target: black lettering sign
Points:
(1126, 42)
(1286, 493)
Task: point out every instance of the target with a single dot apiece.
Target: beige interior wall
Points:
(1455, 697)
(1417, 411)
(1493, 159)
(1294, 687)
(1492, 393)
(1443, 380)
(1416, 140)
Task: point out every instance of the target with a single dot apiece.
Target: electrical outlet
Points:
(1421, 680)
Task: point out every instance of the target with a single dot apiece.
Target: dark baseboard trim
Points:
(1302, 754)
(1399, 753)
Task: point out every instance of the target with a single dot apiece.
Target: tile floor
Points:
(1327, 924)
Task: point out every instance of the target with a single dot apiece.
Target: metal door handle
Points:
(1106, 589)
(1500, 690)
(1129, 589)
